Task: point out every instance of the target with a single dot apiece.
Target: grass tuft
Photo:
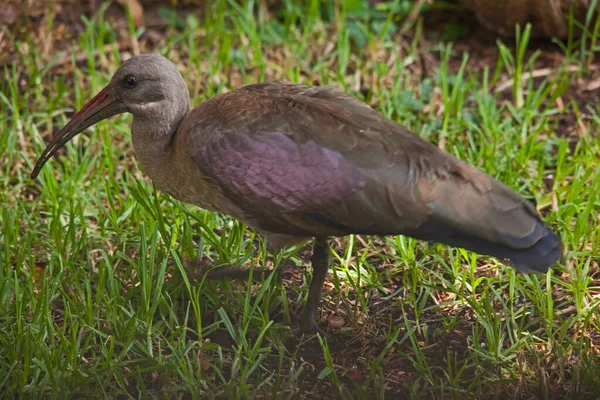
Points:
(98, 290)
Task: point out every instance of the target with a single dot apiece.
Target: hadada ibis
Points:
(298, 162)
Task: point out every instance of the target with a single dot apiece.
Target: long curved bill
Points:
(102, 106)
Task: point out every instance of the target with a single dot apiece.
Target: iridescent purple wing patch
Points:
(272, 170)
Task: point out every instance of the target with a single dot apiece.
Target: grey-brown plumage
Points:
(297, 162)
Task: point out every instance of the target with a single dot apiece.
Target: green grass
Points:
(97, 295)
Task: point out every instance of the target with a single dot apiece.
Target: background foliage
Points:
(98, 290)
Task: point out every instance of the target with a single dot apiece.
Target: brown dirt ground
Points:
(352, 352)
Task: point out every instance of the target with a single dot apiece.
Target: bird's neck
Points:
(152, 141)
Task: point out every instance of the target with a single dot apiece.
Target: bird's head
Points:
(147, 86)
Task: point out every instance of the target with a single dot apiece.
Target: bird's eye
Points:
(130, 81)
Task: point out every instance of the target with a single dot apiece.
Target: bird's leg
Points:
(232, 273)
(226, 272)
(320, 264)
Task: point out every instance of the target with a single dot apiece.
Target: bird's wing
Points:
(315, 161)
(285, 159)
(269, 174)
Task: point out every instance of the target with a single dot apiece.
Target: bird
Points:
(298, 163)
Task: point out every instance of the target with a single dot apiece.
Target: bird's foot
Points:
(305, 324)
(310, 327)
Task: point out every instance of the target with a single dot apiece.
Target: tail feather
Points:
(539, 257)
(491, 219)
